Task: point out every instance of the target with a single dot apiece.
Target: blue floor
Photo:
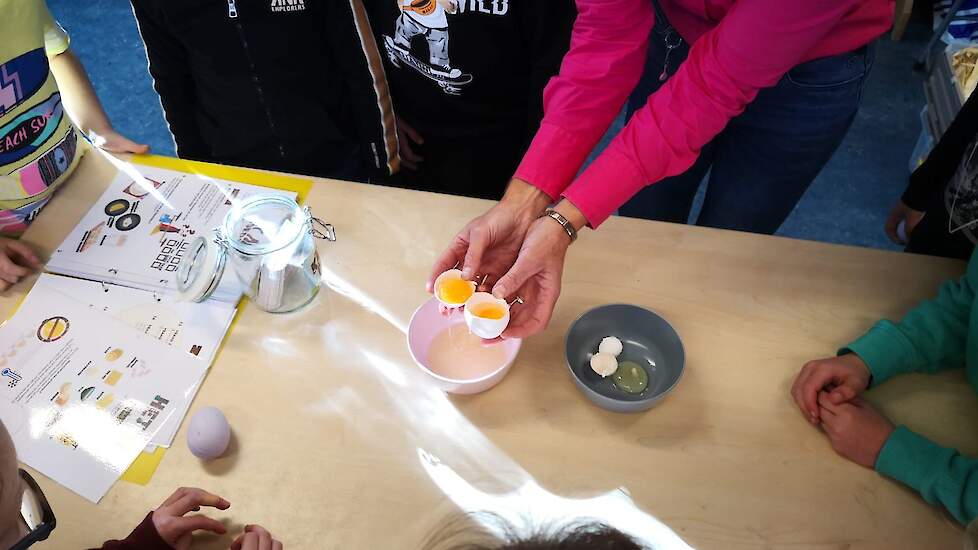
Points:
(847, 204)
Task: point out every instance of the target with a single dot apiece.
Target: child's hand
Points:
(114, 142)
(857, 430)
(844, 378)
(256, 537)
(17, 260)
(406, 135)
(175, 527)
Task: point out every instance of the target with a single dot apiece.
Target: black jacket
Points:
(289, 85)
(929, 180)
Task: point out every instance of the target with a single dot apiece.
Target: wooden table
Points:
(341, 443)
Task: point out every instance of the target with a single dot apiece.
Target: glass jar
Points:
(269, 241)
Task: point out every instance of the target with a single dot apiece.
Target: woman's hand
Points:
(535, 277)
(490, 244)
(902, 213)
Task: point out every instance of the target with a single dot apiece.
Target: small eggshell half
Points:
(611, 345)
(450, 274)
(480, 326)
(208, 434)
(604, 364)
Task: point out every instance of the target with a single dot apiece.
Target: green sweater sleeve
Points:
(941, 475)
(931, 338)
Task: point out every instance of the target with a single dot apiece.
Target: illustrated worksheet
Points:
(138, 231)
(83, 393)
(197, 329)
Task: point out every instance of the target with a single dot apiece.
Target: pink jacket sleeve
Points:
(754, 45)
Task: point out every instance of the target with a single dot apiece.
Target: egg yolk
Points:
(455, 291)
(489, 311)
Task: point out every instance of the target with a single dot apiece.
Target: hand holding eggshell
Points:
(208, 434)
(486, 316)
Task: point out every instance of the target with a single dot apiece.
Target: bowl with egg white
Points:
(624, 358)
(454, 358)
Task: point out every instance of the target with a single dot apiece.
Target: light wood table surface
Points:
(340, 442)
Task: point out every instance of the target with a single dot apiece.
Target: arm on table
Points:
(169, 66)
(931, 338)
(941, 475)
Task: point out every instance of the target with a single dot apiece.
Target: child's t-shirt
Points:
(467, 68)
(39, 146)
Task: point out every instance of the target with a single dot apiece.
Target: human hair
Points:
(485, 531)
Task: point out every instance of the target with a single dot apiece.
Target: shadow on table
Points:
(225, 464)
(210, 541)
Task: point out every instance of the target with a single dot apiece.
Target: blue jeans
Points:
(763, 161)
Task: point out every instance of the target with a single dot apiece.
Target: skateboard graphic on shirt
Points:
(448, 80)
(427, 19)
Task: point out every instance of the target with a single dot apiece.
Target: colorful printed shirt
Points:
(39, 146)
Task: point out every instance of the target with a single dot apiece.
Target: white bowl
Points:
(426, 323)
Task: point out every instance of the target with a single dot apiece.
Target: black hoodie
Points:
(289, 85)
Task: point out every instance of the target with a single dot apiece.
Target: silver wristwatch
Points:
(564, 222)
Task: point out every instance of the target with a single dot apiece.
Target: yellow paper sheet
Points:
(143, 468)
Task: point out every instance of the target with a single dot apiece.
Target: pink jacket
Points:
(738, 48)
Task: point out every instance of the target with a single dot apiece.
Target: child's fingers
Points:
(827, 404)
(264, 537)
(246, 541)
(7, 278)
(411, 132)
(10, 269)
(193, 499)
(25, 253)
(177, 495)
(842, 394)
(198, 522)
(810, 390)
(797, 391)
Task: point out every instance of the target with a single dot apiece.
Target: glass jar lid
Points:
(201, 270)
(262, 224)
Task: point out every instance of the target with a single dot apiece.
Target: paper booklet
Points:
(197, 329)
(83, 393)
(137, 232)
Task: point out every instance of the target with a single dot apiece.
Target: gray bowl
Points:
(648, 340)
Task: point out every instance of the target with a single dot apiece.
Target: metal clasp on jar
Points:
(322, 230)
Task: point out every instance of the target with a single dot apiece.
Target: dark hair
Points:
(462, 533)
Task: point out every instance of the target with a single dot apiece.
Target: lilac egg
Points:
(208, 434)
